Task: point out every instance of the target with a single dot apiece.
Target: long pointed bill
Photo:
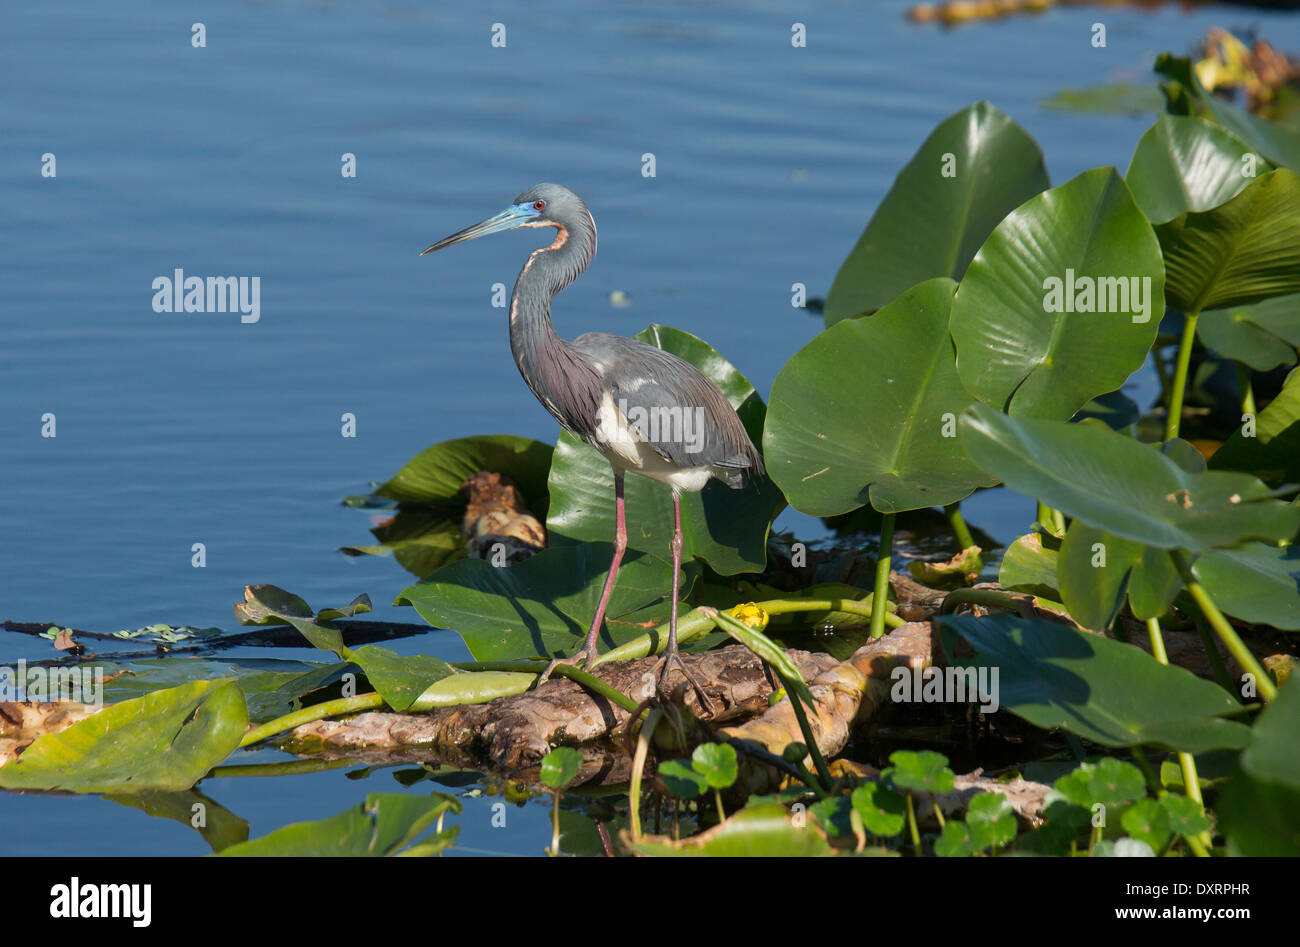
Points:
(508, 219)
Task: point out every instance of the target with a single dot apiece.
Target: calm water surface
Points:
(175, 429)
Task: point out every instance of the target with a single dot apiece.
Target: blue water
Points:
(175, 429)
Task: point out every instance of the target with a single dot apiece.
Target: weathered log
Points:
(512, 733)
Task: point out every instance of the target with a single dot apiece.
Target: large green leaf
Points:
(166, 740)
(1278, 143)
(543, 605)
(1262, 335)
(387, 823)
(724, 527)
(1098, 570)
(1188, 164)
(434, 476)
(839, 435)
(1102, 690)
(975, 168)
(399, 678)
(1260, 806)
(1122, 486)
(1062, 302)
(1240, 252)
(1273, 453)
(1256, 583)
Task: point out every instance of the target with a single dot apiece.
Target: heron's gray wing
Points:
(673, 406)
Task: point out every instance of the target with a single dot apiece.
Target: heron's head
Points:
(542, 205)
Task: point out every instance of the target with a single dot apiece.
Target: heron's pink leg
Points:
(620, 546)
(671, 657)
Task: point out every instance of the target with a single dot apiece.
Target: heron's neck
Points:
(549, 269)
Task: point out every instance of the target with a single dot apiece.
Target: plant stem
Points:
(1180, 375)
(530, 666)
(810, 741)
(1013, 601)
(880, 596)
(1247, 391)
(328, 708)
(784, 606)
(555, 826)
(957, 523)
(1227, 634)
(638, 767)
(911, 825)
(1186, 761)
(717, 797)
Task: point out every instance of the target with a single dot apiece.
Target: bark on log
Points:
(513, 733)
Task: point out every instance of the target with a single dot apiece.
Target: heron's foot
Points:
(665, 666)
(585, 658)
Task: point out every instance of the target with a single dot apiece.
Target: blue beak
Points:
(514, 216)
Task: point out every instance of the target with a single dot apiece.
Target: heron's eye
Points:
(539, 205)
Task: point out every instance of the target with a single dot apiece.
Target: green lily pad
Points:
(883, 811)
(1256, 583)
(920, 771)
(1062, 302)
(955, 841)
(1279, 143)
(1098, 571)
(1271, 756)
(560, 765)
(1186, 816)
(1263, 335)
(1119, 98)
(387, 823)
(1259, 808)
(1030, 566)
(1186, 164)
(1122, 486)
(716, 762)
(166, 740)
(682, 779)
(991, 819)
(975, 168)
(1103, 690)
(755, 831)
(1243, 251)
(724, 527)
(838, 437)
(1147, 821)
(543, 605)
(434, 476)
(271, 605)
(399, 678)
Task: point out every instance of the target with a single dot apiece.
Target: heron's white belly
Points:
(619, 441)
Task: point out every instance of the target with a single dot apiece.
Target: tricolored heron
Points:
(648, 411)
